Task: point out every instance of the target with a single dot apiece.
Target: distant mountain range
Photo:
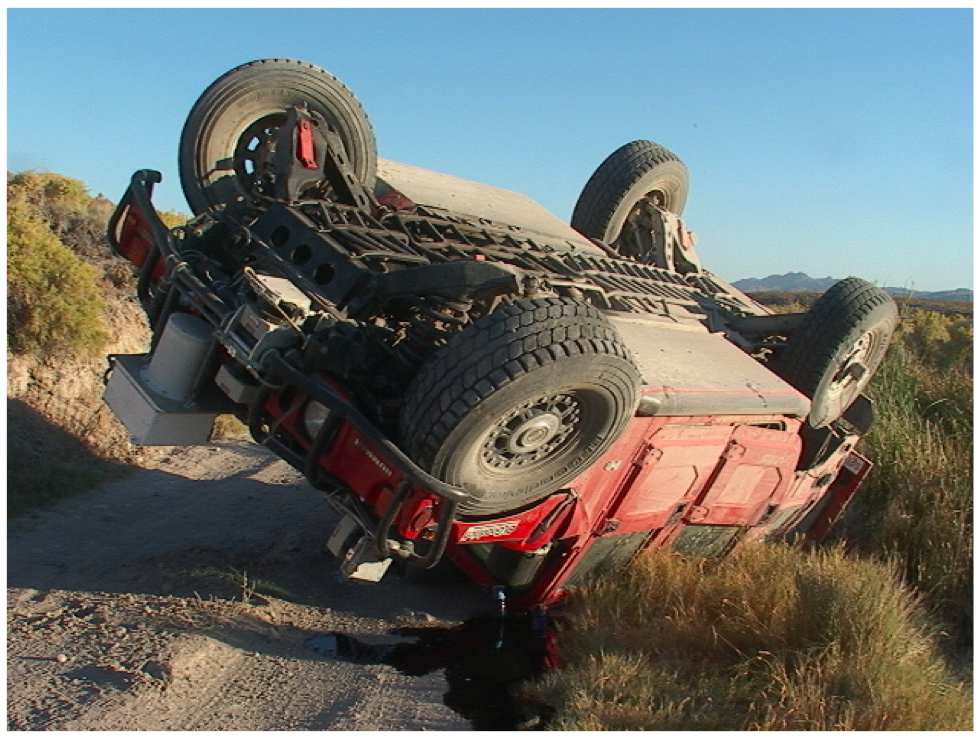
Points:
(799, 282)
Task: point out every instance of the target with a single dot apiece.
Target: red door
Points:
(669, 472)
(756, 469)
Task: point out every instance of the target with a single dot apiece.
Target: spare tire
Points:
(224, 143)
(634, 172)
(833, 355)
(519, 403)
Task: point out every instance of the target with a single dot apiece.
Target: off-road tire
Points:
(851, 323)
(214, 142)
(519, 403)
(627, 176)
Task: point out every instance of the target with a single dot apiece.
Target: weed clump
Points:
(773, 638)
(916, 508)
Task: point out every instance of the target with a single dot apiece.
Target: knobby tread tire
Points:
(514, 342)
(615, 177)
(839, 317)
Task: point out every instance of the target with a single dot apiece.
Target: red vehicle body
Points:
(716, 448)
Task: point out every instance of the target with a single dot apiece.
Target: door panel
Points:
(677, 462)
(757, 467)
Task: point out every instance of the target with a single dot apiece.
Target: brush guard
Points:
(280, 371)
(137, 234)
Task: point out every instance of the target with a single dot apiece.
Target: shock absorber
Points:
(434, 320)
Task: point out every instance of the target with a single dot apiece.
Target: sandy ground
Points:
(180, 598)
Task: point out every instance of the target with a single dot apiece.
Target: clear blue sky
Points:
(831, 142)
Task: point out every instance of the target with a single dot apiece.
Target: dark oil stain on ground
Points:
(487, 661)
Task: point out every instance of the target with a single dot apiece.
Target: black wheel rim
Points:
(254, 153)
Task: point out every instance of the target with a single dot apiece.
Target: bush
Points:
(53, 301)
(63, 203)
(917, 506)
(75, 217)
(65, 286)
(60, 265)
(173, 219)
(773, 638)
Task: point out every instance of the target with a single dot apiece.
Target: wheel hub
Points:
(532, 432)
(854, 368)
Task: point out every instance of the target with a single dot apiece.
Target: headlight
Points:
(315, 416)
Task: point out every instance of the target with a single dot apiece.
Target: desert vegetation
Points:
(69, 302)
(63, 282)
(917, 507)
(773, 638)
(780, 301)
(54, 304)
(865, 635)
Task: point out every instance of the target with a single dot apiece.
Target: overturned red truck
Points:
(463, 375)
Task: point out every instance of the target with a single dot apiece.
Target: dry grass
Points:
(917, 506)
(773, 638)
(776, 638)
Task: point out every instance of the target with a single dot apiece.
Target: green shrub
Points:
(53, 301)
(173, 219)
(938, 341)
(56, 235)
(75, 217)
(64, 284)
(64, 204)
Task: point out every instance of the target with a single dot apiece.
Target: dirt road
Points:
(180, 598)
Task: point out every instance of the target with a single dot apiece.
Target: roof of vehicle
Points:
(446, 192)
(689, 371)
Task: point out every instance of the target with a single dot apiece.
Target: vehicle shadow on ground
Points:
(45, 463)
(253, 532)
(254, 527)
